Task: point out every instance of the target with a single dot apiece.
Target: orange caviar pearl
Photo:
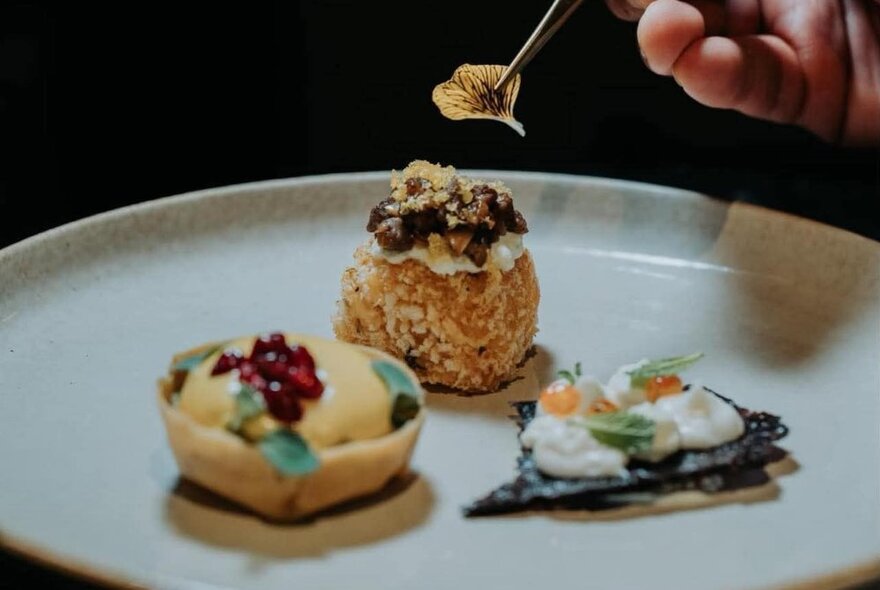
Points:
(658, 387)
(560, 399)
(601, 406)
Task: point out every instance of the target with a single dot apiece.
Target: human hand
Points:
(813, 63)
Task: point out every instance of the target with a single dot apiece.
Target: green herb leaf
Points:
(189, 363)
(405, 409)
(288, 452)
(248, 403)
(631, 433)
(567, 376)
(395, 379)
(403, 391)
(658, 368)
(571, 376)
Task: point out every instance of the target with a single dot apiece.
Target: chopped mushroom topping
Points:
(430, 199)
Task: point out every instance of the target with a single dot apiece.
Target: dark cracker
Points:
(734, 465)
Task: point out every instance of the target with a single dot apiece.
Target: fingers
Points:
(667, 28)
(743, 17)
(862, 123)
(819, 37)
(757, 75)
(629, 10)
(717, 53)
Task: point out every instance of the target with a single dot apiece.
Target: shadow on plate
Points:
(537, 370)
(404, 504)
(800, 286)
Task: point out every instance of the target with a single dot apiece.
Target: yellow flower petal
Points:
(470, 94)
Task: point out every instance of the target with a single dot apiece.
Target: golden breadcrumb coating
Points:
(465, 331)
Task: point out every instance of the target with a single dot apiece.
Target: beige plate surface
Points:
(787, 312)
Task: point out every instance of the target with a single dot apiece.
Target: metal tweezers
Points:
(555, 18)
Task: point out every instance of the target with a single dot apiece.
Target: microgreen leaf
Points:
(394, 378)
(248, 403)
(567, 376)
(288, 452)
(188, 363)
(403, 391)
(405, 409)
(631, 433)
(668, 366)
(571, 376)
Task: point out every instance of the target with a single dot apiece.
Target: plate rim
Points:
(861, 572)
(856, 573)
(664, 191)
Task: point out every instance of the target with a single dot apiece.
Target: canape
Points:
(289, 424)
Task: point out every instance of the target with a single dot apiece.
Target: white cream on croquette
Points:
(502, 255)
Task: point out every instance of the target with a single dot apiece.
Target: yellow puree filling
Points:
(355, 404)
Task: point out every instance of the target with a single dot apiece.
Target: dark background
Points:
(103, 105)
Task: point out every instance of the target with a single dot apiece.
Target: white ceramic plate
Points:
(787, 312)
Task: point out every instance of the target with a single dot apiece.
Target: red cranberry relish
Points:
(283, 374)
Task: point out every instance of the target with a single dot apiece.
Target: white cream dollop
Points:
(562, 448)
(702, 418)
(502, 254)
(666, 437)
(562, 445)
(620, 389)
